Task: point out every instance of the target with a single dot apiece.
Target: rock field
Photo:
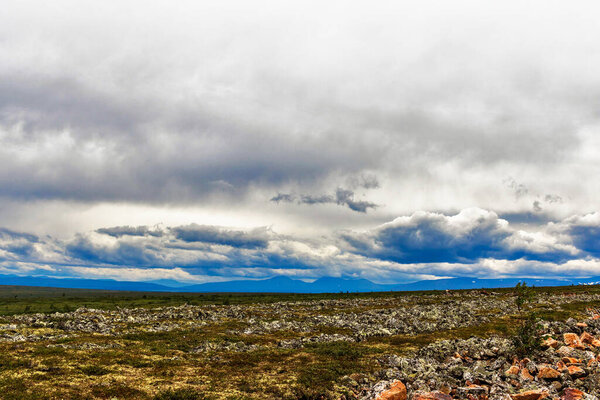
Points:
(421, 347)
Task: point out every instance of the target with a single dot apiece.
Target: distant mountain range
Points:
(283, 284)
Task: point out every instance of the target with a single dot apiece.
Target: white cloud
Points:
(141, 113)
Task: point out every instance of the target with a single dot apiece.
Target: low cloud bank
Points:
(472, 242)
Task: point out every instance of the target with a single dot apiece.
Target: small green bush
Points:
(527, 337)
(524, 295)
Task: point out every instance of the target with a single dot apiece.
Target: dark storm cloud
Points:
(583, 231)
(257, 238)
(17, 244)
(205, 250)
(466, 237)
(122, 253)
(17, 247)
(10, 234)
(342, 197)
(586, 238)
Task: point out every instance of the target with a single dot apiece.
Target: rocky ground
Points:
(461, 345)
(566, 367)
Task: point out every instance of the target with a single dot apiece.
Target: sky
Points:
(218, 140)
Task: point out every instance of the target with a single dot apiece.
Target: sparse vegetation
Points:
(526, 339)
(303, 347)
(524, 294)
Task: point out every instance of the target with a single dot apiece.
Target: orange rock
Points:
(596, 316)
(432, 396)
(396, 392)
(526, 375)
(561, 366)
(548, 373)
(513, 370)
(592, 362)
(549, 342)
(572, 394)
(571, 339)
(570, 360)
(586, 338)
(595, 343)
(581, 324)
(530, 395)
(575, 371)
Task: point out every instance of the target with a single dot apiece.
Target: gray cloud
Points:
(17, 244)
(527, 217)
(152, 113)
(552, 198)
(583, 231)
(469, 236)
(519, 189)
(473, 242)
(342, 197)
(256, 238)
(259, 123)
(118, 231)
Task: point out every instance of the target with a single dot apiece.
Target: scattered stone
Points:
(565, 351)
(572, 340)
(396, 392)
(548, 373)
(513, 370)
(526, 375)
(587, 338)
(549, 342)
(530, 395)
(572, 394)
(576, 372)
(432, 396)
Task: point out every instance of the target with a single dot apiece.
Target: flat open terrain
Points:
(87, 344)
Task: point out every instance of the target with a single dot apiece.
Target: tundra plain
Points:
(475, 344)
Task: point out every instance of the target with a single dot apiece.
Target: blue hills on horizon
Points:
(283, 284)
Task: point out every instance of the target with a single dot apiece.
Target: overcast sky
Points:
(205, 141)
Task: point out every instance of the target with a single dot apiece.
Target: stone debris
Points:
(397, 391)
(565, 365)
(238, 347)
(486, 369)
